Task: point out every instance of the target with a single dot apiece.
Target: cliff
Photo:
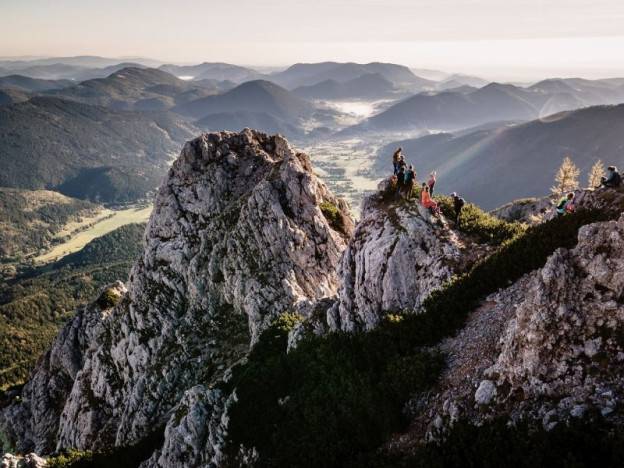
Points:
(237, 237)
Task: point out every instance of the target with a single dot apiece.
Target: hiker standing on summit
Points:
(458, 204)
(396, 159)
(431, 182)
(410, 178)
(400, 179)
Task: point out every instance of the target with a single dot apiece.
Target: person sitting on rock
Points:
(400, 179)
(410, 177)
(431, 182)
(566, 204)
(458, 204)
(396, 158)
(613, 178)
(427, 201)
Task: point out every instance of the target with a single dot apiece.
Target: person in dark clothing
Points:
(613, 178)
(410, 177)
(400, 179)
(431, 182)
(458, 204)
(396, 159)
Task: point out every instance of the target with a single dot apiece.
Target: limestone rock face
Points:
(564, 346)
(236, 238)
(397, 256)
(547, 349)
(33, 423)
(30, 460)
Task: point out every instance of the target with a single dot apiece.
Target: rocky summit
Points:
(237, 237)
(255, 284)
(397, 256)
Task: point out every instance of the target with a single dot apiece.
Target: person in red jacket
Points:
(427, 201)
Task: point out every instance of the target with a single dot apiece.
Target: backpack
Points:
(409, 177)
(562, 203)
(617, 179)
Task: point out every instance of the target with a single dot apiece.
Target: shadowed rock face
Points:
(547, 349)
(236, 238)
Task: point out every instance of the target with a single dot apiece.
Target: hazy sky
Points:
(504, 38)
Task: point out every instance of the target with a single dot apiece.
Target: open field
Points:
(110, 222)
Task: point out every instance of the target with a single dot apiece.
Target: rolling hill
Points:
(84, 61)
(492, 166)
(144, 89)
(29, 85)
(238, 120)
(53, 143)
(12, 96)
(307, 74)
(213, 71)
(457, 109)
(371, 86)
(30, 219)
(35, 305)
(252, 96)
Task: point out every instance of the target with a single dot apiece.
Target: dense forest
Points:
(35, 305)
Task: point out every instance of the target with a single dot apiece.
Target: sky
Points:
(508, 39)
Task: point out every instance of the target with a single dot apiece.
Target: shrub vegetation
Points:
(476, 222)
(581, 443)
(333, 216)
(36, 304)
(334, 399)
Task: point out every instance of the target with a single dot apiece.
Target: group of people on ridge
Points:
(405, 177)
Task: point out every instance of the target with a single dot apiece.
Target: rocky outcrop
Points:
(547, 349)
(33, 423)
(195, 433)
(397, 256)
(30, 460)
(526, 210)
(237, 237)
(536, 210)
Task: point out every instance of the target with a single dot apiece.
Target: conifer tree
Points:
(595, 174)
(566, 178)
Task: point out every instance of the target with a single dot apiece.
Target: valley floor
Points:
(106, 221)
(345, 167)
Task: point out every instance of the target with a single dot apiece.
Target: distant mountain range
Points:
(145, 89)
(253, 96)
(452, 110)
(457, 80)
(492, 166)
(371, 86)
(86, 61)
(238, 120)
(307, 74)
(29, 85)
(87, 151)
(213, 71)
